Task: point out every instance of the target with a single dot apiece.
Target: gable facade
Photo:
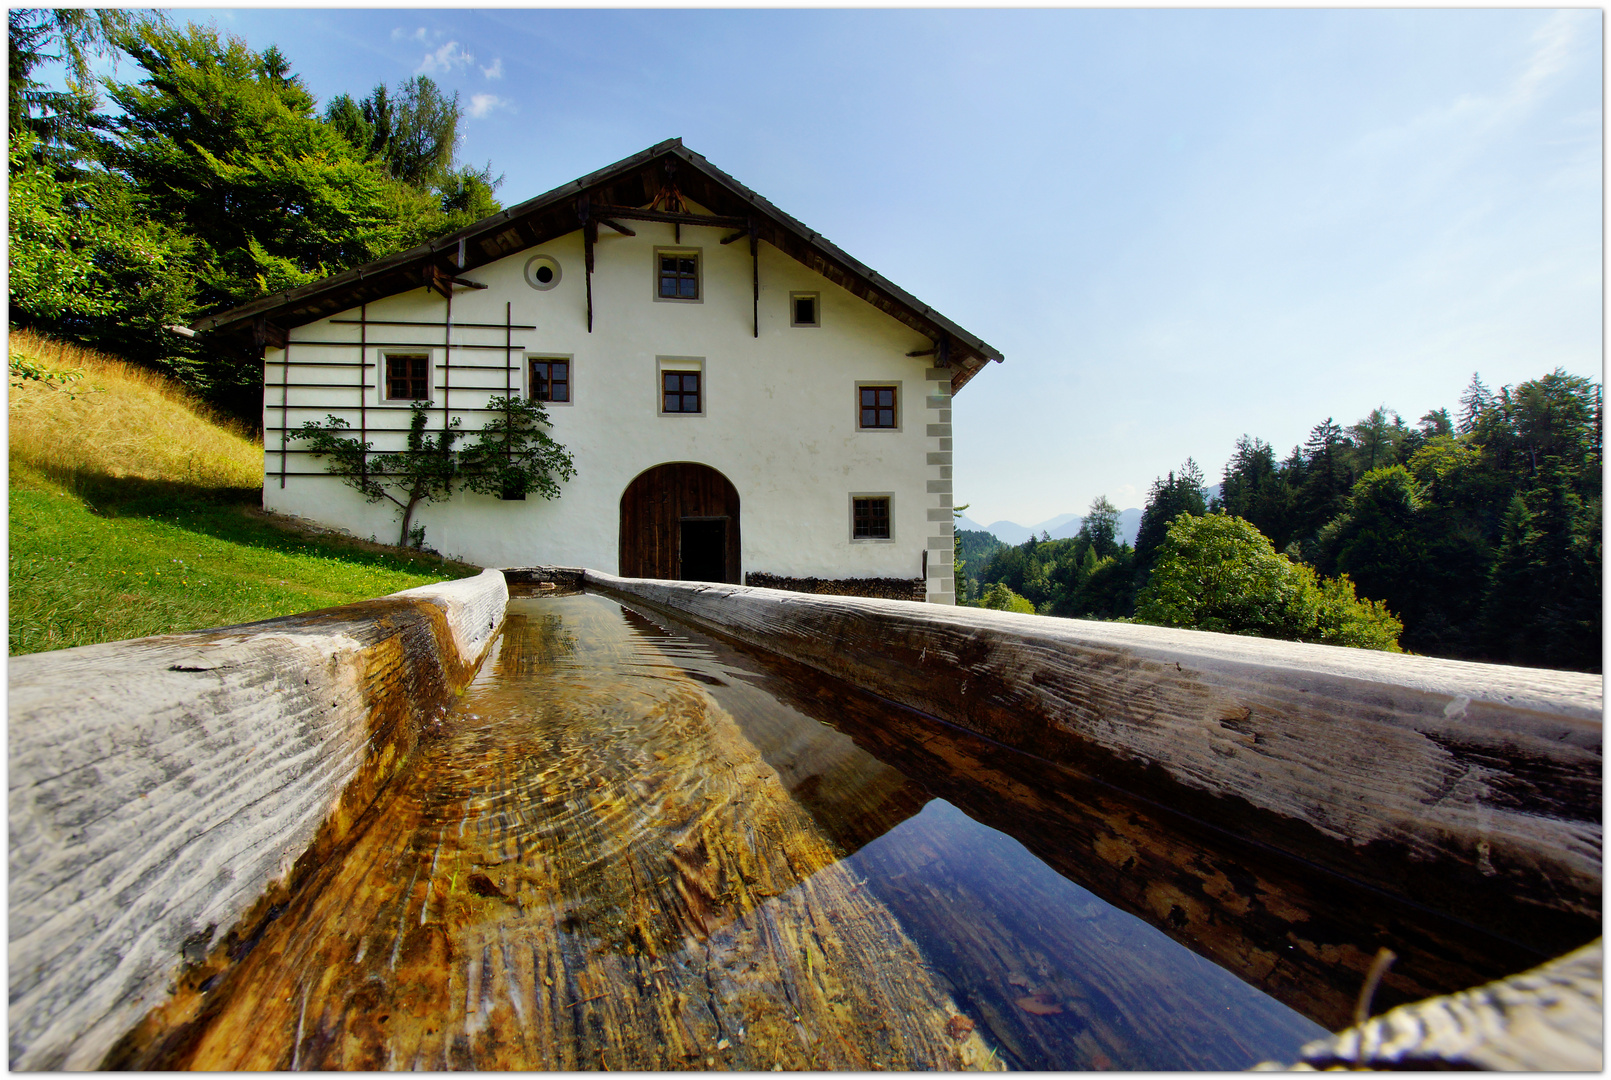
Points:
(731, 410)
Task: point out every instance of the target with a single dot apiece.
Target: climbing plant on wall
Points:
(511, 457)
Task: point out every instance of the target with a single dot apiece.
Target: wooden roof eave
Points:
(925, 319)
(404, 270)
(422, 253)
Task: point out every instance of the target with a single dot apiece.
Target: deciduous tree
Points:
(1218, 572)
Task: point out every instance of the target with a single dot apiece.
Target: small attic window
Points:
(804, 309)
(678, 275)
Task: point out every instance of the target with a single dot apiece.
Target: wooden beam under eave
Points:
(590, 236)
(267, 335)
(617, 226)
(632, 213)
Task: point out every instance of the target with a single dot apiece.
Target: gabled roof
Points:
(632, 182)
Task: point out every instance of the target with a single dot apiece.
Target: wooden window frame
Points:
(552, 358)
(888, 498)
(698, 255)
(681, 365)
(386, 375)
(884, 384)
(816, 308)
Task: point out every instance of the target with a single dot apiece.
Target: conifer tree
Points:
(1472, 403)
(1167, 499)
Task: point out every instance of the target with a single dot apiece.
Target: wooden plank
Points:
(1304, 936)
(1550, 1019)
(460, 931)
(652, 509)
(632, 213)
(415, 322)
(285, 403)
(363, 393)
(1472, 789)
(167, 791)
(589, 238)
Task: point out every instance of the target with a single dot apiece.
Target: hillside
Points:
(134, 511)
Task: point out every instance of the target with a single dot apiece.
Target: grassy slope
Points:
(133, 512)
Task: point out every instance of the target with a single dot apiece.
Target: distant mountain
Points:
(1129, 524)
(1051, 525)
(1060, 527)
(1008, 532)
(967, 523)
(1065, 526)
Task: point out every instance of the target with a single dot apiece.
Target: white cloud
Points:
(1553, 54)
(482, 104)
(400, 33)
(496, 70)
(445, 60)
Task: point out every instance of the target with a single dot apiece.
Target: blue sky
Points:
(1179, 226)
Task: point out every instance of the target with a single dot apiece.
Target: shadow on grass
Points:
(229, 514)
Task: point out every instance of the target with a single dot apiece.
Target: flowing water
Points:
(632, 847)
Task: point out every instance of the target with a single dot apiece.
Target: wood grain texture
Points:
(1472, 789)
(655, 503)
(1302, 935)
(581, 870)
(161, 788)
(1550, 1019)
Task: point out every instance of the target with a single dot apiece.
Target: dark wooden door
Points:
(655, 507)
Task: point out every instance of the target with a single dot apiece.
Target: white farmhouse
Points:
(743, 400)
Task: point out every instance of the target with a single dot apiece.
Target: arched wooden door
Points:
(680, 521)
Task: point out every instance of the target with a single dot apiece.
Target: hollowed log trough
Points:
(1283, 809)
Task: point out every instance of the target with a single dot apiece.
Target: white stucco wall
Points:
(780, 417)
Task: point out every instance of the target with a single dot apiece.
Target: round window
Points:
(542, 272)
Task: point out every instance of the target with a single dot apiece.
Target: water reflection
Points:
(633, 848)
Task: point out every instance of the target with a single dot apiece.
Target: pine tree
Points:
(1472, 403)
(57, 119)
(1167, 499)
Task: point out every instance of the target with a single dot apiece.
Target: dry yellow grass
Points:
(119, 420)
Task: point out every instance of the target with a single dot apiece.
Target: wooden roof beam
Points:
(632, 213)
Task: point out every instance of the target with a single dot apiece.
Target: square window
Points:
(680, 392)
(551, 380)
(869, 517)
(803, 309)
(408, 378)
(876, 407)
(679, 275)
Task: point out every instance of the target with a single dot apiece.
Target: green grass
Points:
(134, 512)
(125, 557)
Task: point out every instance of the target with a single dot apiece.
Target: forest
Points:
(206, 179)
(1474, 537)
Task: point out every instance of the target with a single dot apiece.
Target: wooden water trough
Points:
(1285, 810)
